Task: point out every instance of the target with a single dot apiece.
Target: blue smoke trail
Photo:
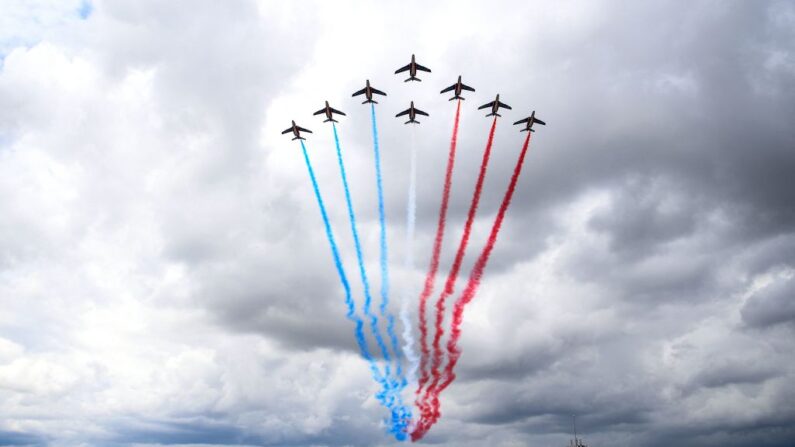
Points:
(359, 257)
(384, 254)
(392, 391)
(383, 397)
(384, 263)
(411, 214)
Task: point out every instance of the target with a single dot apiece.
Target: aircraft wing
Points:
(377, 92)
(319, 112)
(448, 89)
(333, 110)
(420, 112)
(405, 112)
(539, 121)
(402, 69)
(287, 131)
(421, 68)
(466, 87)
(505, 106)
(303, 130)
(359, 92)
(521, 121)
(486, 105)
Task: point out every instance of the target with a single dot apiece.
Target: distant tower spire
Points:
(576, 442)
(574, 422)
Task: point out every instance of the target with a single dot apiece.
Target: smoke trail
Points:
(391, 388)
(430, 277)
(449, 286)
(466, 296)
(411, 213)
(383, 308)
(384, 254)
(359, 256)
(351, 309)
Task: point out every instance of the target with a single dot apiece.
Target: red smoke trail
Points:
(466, 296)
(430, 277)
(449, 286)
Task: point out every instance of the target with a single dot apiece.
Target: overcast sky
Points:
(164, 277)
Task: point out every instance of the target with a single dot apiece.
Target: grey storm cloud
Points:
(164, 278)
(773, 304)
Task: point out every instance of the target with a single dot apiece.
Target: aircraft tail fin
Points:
(493, 114)
(330, 119)
(370, 101)
(412, 121)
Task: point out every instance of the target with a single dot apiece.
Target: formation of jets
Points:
(495, 106)
(529, 121)
(457, 88)
(368, 93)
(412, 112)
(329, 111)
(413, 67)
(296, 130)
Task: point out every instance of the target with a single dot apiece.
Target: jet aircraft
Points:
(495, 106)
(296, 130)
(530, 120)
(412, 112)
(368, 93)
(329, 111)
(457, 88)
(412, 68)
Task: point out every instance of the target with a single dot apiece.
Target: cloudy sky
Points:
(164, 278)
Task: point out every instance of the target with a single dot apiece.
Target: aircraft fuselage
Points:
(296, 132)
(496, 106)
(327, 111)
(413, 68)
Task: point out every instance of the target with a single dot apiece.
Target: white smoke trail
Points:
(408, 291)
